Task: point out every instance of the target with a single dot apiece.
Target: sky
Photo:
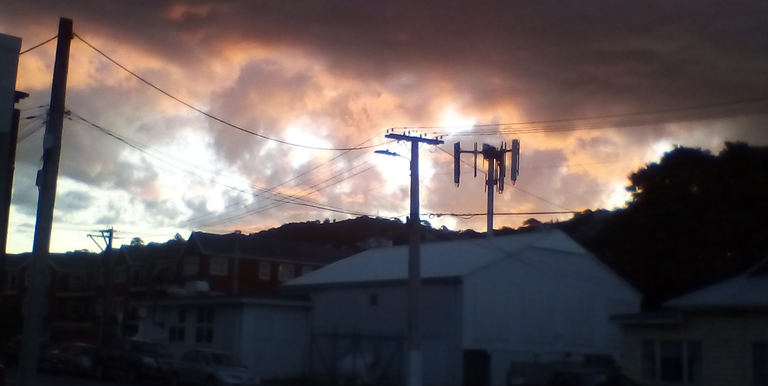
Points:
(236, 111)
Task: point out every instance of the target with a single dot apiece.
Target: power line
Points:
(217, 119)
(471, 215)
(39, 45)
(273, 188)
(700, 109)
(143, 149)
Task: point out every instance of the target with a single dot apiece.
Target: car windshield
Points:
(223, 359)
(149, 349)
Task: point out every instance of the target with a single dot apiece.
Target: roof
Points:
(439, 260)
(746, 291)
(153, 252)
(254, 245)
(16, 262)
(75, 261)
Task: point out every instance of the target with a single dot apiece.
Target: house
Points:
(79, 282)
(269, 333)
(492, 308)
(715, 336)
(230, 300)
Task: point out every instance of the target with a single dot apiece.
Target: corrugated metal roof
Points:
(746, 291)
(438, 260)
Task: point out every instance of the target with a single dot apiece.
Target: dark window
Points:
(672, 361)
(373, 299)
(182, 315)
(176, 334)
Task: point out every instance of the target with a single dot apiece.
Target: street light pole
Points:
(413, 339)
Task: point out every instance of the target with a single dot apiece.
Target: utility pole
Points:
(10, 46)
(497, 169)
(413, 339)
(46, 182)
(109, 268)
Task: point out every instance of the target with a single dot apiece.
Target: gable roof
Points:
(439, 260)
(746, 291)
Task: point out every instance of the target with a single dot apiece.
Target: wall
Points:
(352, 311)
(274, 339)
(552, 309)
(726, 339)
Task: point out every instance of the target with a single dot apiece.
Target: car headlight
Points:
(149, 361)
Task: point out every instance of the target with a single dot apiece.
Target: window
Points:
(373, 299)
(306, 269)
(264, 270)
(204, 331)
(101, 276)
(191, 266)
(760, 363)
(285, 272)
(673, 361)
(176, 334)
(76, 280)
(219, 266)
(121, 274)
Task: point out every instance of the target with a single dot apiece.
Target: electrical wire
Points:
(471, 215)
(640, 118)
(143, 149)
(38, 46)
(273, 188)
(217, 119)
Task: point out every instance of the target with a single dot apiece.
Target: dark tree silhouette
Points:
(694, 219)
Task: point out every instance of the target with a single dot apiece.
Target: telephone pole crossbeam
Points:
(413, 338)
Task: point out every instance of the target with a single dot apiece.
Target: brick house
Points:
(715, 336)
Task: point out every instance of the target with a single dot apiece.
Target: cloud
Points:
(341, 73)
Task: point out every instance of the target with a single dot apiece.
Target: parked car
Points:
(134, 359)
(212, 368)
(13, 350)
(589, 378)
(74, 358)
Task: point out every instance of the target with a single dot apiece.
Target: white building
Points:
(269, 334)
(488, 306)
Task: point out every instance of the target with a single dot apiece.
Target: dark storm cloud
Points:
(74, 201)
(327, 64)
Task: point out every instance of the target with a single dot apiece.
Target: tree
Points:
(137, 242)
(694, 219)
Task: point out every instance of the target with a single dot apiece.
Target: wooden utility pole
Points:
(413, 338)
(46, 183)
